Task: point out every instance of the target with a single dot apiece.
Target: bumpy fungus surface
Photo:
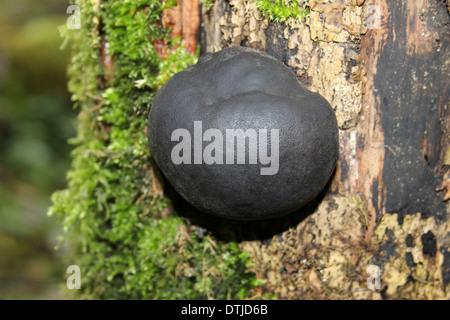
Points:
(241, 88)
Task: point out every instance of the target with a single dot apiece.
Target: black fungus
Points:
(284, 137)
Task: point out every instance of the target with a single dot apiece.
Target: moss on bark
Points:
(112, 210)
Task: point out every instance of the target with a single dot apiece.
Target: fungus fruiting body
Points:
(238, 136)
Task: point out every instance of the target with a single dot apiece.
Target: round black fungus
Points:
(238, 136)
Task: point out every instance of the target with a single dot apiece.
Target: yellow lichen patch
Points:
(327, 56)
(243, 21)
(447, 157)
(330, 79)
(424, 270)
(325, 256)
(445, 186)
(336, 21)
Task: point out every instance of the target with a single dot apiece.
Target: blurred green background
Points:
(36, 120)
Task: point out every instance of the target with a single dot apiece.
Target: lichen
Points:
(414, 269)
(326, 257)
(243, 23)
(327, 55)
(322, 48)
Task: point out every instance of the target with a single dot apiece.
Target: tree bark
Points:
(384, 67)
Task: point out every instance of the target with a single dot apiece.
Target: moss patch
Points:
(279, 11)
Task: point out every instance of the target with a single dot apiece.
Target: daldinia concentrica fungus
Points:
(238, 136)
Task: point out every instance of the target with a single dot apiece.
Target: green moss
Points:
(207, 4)
(278, 11)
(125, 249)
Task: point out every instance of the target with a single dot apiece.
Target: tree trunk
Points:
(383, 66)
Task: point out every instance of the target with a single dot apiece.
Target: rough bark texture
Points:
(384, 67)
